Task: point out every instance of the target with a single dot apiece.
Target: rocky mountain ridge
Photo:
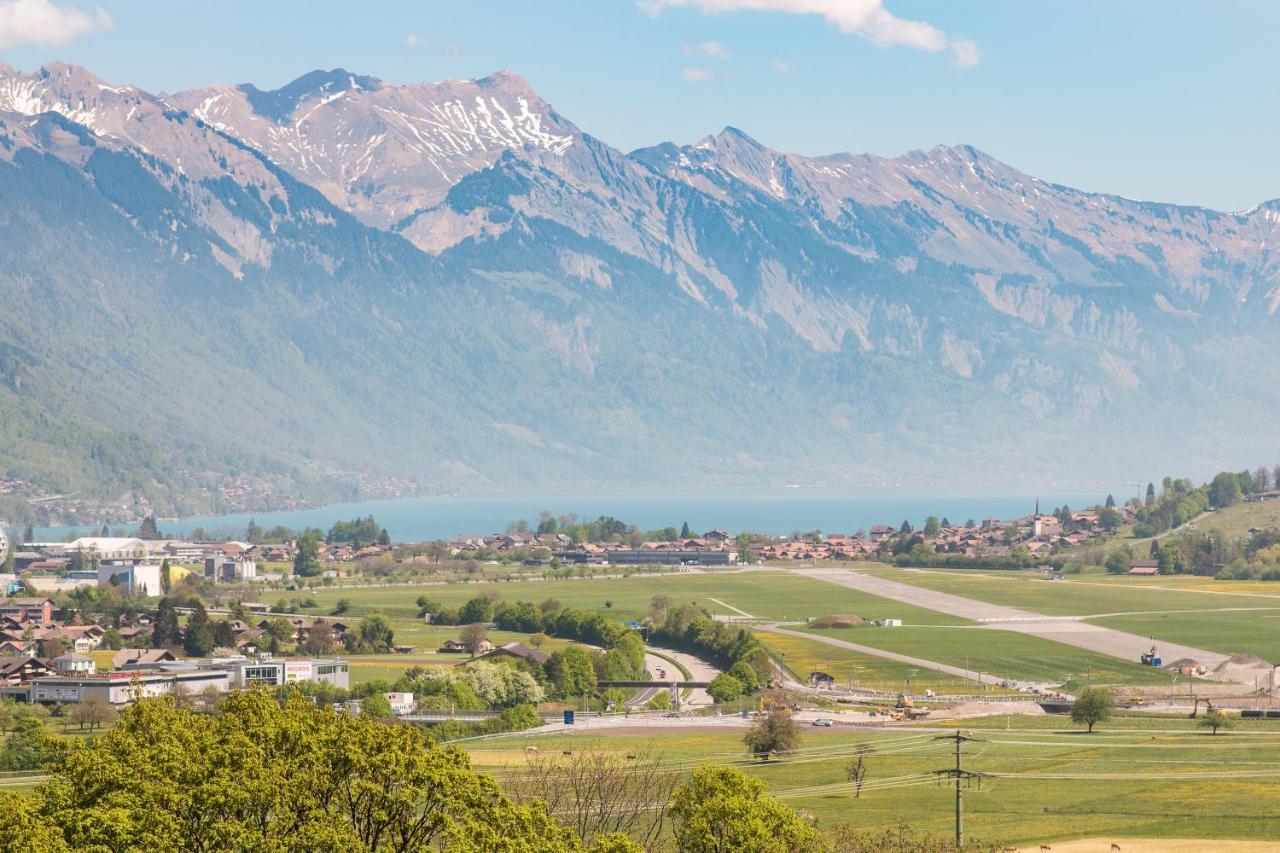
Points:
(400, 252)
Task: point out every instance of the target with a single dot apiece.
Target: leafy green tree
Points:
(1225, 490)
(478, 609)
(359, 532)
(571, 671)
(775, 732)
(111, 639)
(1117, 562)
(166, 578)
(725, 688)
(744, 672)
(722, 809)
(306, 563)
(931, 526)
(376, 706)
(1216, 719)
(167, 778)
(198, 639)
(30, 747)
(1093, 705)
(374, 634)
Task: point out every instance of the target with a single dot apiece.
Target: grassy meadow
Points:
(1004, 654)
(765, 594)
(1047, 782)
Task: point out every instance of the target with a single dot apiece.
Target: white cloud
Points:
(42, 22)
(781, 67)
(413, 41)
(966, 52)
(695, 75)
(708, 49)
(867, 18)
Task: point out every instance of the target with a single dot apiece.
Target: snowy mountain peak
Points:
(381, 150)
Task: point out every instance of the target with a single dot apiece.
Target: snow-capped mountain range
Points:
(927, 306)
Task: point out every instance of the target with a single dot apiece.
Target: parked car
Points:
(826, 722)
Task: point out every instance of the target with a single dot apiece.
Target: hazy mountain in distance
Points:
(453, 281)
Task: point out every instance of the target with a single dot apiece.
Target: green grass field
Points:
(1245, 631)
(770, 595)
(1150, 778)
(1005, 654)
(1086, 595)
(803, 656)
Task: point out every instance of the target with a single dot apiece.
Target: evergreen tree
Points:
(148, 529)
(166, 579)
(1151, 494)
(199, 636)
(164, 633)
(383, 538)
(223, 636)
(29, 532)
(1111, 502)
(684, 531)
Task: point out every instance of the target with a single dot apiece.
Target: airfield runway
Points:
(1069, 630)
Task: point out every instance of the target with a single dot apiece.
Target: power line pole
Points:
(961, 778)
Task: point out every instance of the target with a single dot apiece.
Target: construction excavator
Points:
(1195, 708)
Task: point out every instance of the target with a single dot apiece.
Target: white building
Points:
(143, 578)
(121, 688)
(109, 549)
(74, 664)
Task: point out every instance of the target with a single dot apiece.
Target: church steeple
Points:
(1037, 515)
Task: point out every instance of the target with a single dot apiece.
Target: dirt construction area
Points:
(1157, 845)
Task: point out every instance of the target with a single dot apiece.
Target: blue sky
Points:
(1172, 100)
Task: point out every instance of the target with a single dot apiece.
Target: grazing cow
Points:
(1115, 847)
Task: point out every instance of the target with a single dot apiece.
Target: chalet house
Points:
(302, 627)
(1144, 568)
(880, 532)
(17, 648)
(27, 609)
(249, 641)
(126, 657)
(459, 647)
(716, 537)
(22, 670)
(518, 651)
